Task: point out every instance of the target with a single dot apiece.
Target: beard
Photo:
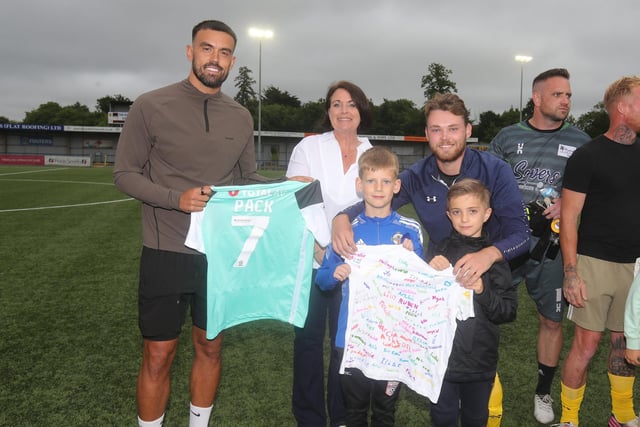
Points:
(555, 115)
(449, 155)
(205, 79)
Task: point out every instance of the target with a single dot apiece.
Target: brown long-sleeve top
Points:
(176, 138)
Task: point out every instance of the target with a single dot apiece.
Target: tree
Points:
(4, 119)
(594, 122)
(45, 114)
(278, 117)
(79, 115)
(399, 117)
(274, 96)
(52, 113)
(437, 80)
(244, 83)
(527, 110)
(311, 116)
(488, 126)
(103, 104)
(490, 123)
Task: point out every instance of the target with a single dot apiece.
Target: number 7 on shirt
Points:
(259, 224)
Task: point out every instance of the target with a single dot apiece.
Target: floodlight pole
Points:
(522, 59)
(260, 34)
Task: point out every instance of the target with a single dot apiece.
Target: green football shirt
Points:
(259, 245)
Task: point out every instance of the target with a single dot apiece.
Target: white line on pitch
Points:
(33, 171)
(65, 206)
(58, 181)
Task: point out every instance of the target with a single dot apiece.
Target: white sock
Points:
(199, 417)
(154, 423)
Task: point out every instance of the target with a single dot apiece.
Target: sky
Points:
(69, 51)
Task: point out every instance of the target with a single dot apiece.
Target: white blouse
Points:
(319, 157)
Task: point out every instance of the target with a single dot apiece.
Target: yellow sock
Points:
(495, 404)
(622, 397)
(571, 399)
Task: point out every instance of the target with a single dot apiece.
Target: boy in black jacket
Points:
(474, 357)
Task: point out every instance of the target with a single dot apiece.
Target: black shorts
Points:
(170, 282)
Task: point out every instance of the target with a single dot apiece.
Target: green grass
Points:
(70, 346)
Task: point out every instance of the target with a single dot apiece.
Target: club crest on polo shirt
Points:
(565, 150)
(397, 238)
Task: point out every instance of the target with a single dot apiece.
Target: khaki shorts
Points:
(607, 285)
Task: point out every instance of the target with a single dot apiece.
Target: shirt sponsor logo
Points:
(565, 150)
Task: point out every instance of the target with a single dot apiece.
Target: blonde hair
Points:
(618, 89)
(378, 157)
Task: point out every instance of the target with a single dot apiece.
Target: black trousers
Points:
(308, 402)
(361, 393)
(468, 401)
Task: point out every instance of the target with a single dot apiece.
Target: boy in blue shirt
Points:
(377, 181)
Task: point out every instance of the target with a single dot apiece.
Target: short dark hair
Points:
(214, 25)
(359, 98)
(378, 157)
(554, 72)
(470, 186)
(446, 102)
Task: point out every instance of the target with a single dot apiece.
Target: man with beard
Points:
(178, 141)
(537, 151)
(425, 185)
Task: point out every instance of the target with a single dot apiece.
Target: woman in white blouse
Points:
(331, 158)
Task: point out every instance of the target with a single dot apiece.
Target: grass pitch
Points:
(70, 346)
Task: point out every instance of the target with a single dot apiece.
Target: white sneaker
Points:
(543, 408)
(633, 423)
(563, 425)
(613, 422)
